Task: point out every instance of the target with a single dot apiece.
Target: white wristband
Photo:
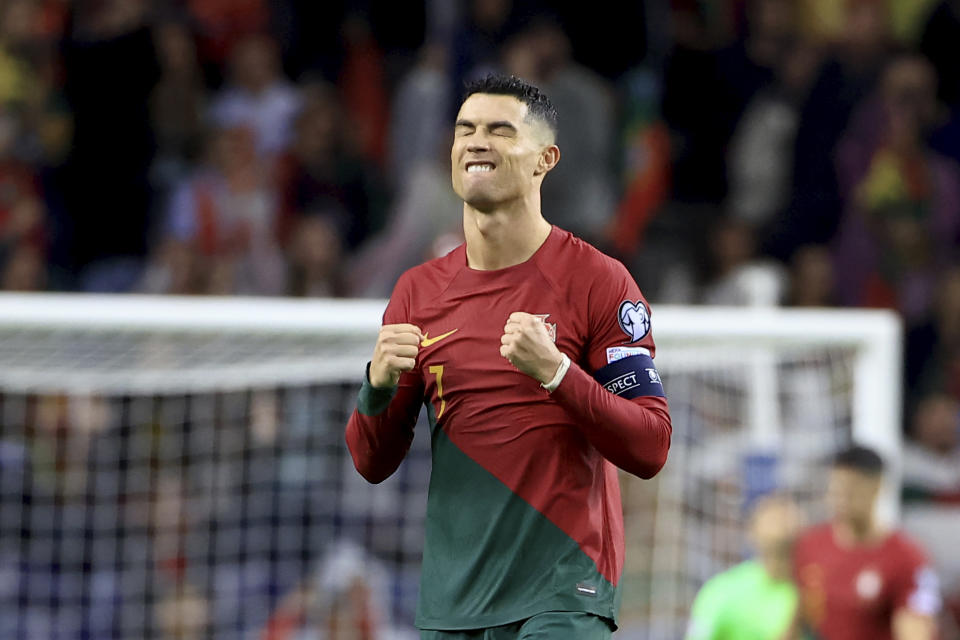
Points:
(558, 377)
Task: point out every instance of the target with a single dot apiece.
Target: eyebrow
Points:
(493, 125)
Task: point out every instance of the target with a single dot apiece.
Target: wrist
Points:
(549, 370)
(562, 368)
(376, 382)
(372, 400)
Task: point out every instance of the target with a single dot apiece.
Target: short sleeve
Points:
(706, 614)
(916, 587)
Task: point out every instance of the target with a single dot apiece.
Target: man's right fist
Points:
(396, 352)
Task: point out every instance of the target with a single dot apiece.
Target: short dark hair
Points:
(538, 104)
(860, 459)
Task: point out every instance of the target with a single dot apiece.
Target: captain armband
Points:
(631, 377)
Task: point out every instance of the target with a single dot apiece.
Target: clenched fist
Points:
(395, 352)
(527, 345)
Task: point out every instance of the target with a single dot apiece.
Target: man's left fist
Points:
(527, 345)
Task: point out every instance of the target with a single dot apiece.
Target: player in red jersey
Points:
(533, 354)
(858, 581)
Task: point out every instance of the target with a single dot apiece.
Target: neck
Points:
(776, 570)
(852, 533)
(503, 237)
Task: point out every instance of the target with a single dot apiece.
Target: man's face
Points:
(851, 494)
(496, 154)
(774, 525)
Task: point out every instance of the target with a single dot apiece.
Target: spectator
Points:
(316, 258)
(183, 613)
(344, 600)
(760, 158)
(739, 278)
(750, 65)
(24, 229)
(174, 268)
(931, 462)
(29, 31)
(477, 44)
(902, 217)
(363, 88)
(35, 133)
(112, 149)
(578, 196)
(21, 207)
(15, 34)
(46, 122)
(731, 275)
(177, 105)
(698, 73)
(931, 489)
(258, 95)
(24, 270)
(227, 211)
(933, 344)
(845, 78)
(422, 99)
(646, 164)
(689, 81)
(812, 280)
(425, 219)
(324, 165)
(223, 24)
(169, 523)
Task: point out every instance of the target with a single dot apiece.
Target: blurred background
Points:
(800, 153)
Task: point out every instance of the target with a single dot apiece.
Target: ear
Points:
(549, 157)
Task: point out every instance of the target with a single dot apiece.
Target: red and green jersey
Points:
(524, 512)
(851, 592)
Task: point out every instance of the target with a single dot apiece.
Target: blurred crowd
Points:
(740, 152)
(747, 152)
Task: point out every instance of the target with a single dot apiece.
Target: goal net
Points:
(176, 468)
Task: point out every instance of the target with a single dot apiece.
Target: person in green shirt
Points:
(756, 599)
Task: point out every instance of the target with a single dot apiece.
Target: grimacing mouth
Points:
(479, 166)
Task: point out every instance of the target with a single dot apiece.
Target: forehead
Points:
(486, 107)
(848, 475)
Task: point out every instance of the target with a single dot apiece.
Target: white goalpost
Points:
(760, 399)
(180, 461)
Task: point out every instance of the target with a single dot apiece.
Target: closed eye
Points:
(503, 129)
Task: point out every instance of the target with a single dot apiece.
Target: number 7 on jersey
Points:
(437, 370)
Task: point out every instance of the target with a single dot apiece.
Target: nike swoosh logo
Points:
(426, 342)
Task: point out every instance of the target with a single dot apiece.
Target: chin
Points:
(479, 200)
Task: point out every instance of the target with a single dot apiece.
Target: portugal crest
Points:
(551, 326)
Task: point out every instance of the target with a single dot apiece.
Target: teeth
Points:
(477, 168)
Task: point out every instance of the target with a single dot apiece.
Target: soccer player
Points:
(533, 354)
(755, 600)
(857, 579)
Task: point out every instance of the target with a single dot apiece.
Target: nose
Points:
(478, 145)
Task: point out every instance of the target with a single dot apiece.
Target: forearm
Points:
(632, 434)
(380, 429)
